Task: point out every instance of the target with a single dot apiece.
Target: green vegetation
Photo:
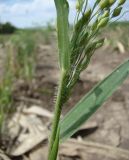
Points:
(7, 28)
(6, 92)
(19, 64)
(75, 53)
(24, 46)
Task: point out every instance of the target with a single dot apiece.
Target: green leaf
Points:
(62, 8)
(54, 151)
(89, 104)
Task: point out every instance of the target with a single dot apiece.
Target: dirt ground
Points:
(109, 126)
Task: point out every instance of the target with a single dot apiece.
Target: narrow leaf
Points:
(92, 101)
(62, 8)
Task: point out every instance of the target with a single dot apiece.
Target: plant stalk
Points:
(57, 113)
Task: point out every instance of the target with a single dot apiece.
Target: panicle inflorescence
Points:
(117, 11)
(79, 5)
(89, 21)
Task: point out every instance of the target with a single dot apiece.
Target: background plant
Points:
(6, 84)
(75, 53)
(23, 45)
(7, 28)
(19, 64)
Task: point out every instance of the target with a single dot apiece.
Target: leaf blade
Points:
(62, 8)
(93, 100)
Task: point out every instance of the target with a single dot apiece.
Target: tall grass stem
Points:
(58, 108)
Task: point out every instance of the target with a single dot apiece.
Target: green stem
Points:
(58, 108)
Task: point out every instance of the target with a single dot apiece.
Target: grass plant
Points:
(76, 47)
(75, 53)
(6, 91)
(23, 47)
(19, 63)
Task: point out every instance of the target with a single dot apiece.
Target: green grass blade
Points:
(54, 151)
(62, 8)
(92, 101)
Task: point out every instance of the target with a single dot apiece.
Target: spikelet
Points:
(106, 13)
(83, 39)
(94, 26)
(83, 20)
(103, 22)
(88, 14)
(117, 11)
(104, 4)
(121, 2)
(91, 47)
(79, 5)
(111, 2)
(100, 43)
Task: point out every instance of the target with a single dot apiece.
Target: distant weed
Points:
(24, 46)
